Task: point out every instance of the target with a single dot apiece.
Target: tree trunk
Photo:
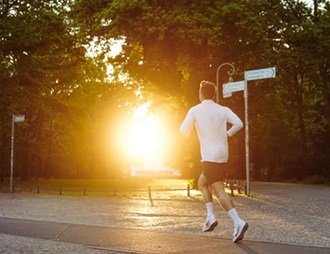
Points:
(316, 10)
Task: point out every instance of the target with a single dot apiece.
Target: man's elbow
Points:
(240, 125)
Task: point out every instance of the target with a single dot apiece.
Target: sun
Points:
(143, 136)
(144, 142)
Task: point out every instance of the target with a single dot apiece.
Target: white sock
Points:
(209, 208)
(234, 216)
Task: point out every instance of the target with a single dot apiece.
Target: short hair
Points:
(207, 89)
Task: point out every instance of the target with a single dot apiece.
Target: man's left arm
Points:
(236, 122)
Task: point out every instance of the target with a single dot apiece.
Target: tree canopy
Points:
(58, 67)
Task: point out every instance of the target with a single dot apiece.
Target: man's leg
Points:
(204, 189)
(225, 200)
(211, 221)
(240, 226)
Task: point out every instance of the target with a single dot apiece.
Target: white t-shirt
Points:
(210, 120)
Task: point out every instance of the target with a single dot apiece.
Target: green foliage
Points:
(179, 44)
(42, 64)
(70, 101)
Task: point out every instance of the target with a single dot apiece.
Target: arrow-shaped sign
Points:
(260, 74)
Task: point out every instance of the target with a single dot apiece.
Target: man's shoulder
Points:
(220, 107)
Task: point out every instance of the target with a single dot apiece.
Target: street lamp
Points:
(230, 73)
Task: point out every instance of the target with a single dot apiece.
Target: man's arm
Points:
(235, 121)
(187, 124)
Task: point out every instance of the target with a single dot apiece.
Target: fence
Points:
(72, 187)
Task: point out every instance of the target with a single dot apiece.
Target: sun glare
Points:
(143, 136)
(144, 141)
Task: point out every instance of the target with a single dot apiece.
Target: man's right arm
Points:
(187, 123)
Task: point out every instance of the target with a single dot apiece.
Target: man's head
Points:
(206, 90)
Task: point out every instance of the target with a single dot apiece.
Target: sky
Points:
(309, 2)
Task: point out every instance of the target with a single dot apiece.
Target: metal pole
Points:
(247, 154)
(230, 73)
(12, 153)
(217, 79)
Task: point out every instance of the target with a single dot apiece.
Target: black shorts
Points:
(215, 172)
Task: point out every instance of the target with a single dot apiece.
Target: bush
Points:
(316, 179)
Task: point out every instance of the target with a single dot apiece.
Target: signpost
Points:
(15, 119)
(242, 86)
(249, 76)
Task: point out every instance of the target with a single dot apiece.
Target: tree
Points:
(171, 46)
(42, 63)
(55, 59)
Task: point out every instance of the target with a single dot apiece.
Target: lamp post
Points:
(230, 72)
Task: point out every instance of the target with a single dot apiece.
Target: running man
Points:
(210, 120)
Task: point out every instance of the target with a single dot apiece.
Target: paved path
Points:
(284, 218)
(141, 241)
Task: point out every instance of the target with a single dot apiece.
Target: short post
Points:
(60, 190)
(84, 191)
(188, 190)
(38, 189)
(231, 185)
(150, 197)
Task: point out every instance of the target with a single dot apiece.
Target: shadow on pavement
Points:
(142, 241)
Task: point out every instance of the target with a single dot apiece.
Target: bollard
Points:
(84, 191)
(60, 191)
(38, 189)
(188, 190)
(231, 184)
(239, 187)
(150, 198)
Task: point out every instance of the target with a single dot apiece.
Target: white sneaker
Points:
(240, 230)
(210, 224)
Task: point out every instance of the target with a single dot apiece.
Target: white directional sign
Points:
(234, 86)
(226, 94)
(231, 87)
(19, 118)
(260, 74)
